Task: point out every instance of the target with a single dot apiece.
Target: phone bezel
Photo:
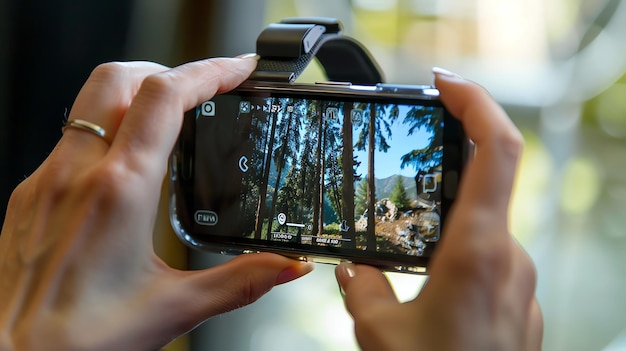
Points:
(182, 188)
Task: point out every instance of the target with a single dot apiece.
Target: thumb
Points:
(236, 283)
(363, 287)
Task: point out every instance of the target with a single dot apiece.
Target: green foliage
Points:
(398, 195)
(332, 229)
(360, 197)
(330, 214)
(429, 118)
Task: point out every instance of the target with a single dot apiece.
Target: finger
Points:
(523, 273)
(103, 101)
(476, 247)
(534, 330)
(236, 283)
(521, 298)
(488, 179)
(363, 287)
(154, 119)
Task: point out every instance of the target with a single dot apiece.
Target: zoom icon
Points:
(208, 108)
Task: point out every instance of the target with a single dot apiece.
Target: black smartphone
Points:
(323, 172)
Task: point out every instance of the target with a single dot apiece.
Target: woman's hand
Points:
(77, 266)
(481, 290)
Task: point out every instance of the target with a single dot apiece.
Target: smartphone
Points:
(325, 172)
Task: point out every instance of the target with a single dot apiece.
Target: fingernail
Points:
(345, 272)
(293, 272)
(444, 72)
(249, 56)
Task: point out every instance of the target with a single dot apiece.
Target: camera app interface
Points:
(333, 174)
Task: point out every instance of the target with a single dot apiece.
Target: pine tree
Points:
(398, 194)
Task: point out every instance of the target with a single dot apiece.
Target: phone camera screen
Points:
(324, 175)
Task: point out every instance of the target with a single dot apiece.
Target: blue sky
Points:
(388, 164)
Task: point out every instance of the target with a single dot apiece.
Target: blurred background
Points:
(557, 66)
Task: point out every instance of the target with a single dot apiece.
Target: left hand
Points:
(77, 266)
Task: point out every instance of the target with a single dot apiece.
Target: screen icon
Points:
(208, 108)
(356, 116)
(244, 107)
(243, 164)
(332, 112)
(204, 217)
(430, 183)
(344, 226)
(428, 224)
(282, 218)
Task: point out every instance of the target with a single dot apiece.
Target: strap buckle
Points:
(287, 47)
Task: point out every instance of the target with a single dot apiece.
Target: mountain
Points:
(384, 187)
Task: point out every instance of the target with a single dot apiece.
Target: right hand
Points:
(480, 295)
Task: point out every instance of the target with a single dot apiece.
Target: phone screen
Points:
(346, 178)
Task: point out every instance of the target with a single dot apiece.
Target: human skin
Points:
(78, 270)
(77, 265)
(480, 294)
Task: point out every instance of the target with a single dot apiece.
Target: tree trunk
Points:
(280, 163)
(318, 168)
(322, 179)
(347, 191)
(261, 210)
(371, 183)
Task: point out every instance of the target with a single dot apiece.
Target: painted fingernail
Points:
(249, 56)
(293, 272)
(444, 72)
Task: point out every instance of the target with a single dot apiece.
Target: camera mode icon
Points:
(208, 108)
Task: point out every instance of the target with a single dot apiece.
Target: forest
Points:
(313, 175)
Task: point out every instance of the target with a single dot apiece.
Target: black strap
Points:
(286, 48)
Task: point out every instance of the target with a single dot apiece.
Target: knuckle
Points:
(109, 71)
(214, 64)
(511, 142)
(160, 84)
(527, 273)
(481, 269)
(480, 260)
(19, 192)
(53, 178)
(20, 202)
(506, 136)
(528, 267)
(107, 183)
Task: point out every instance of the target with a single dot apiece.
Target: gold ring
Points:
(86, 126)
